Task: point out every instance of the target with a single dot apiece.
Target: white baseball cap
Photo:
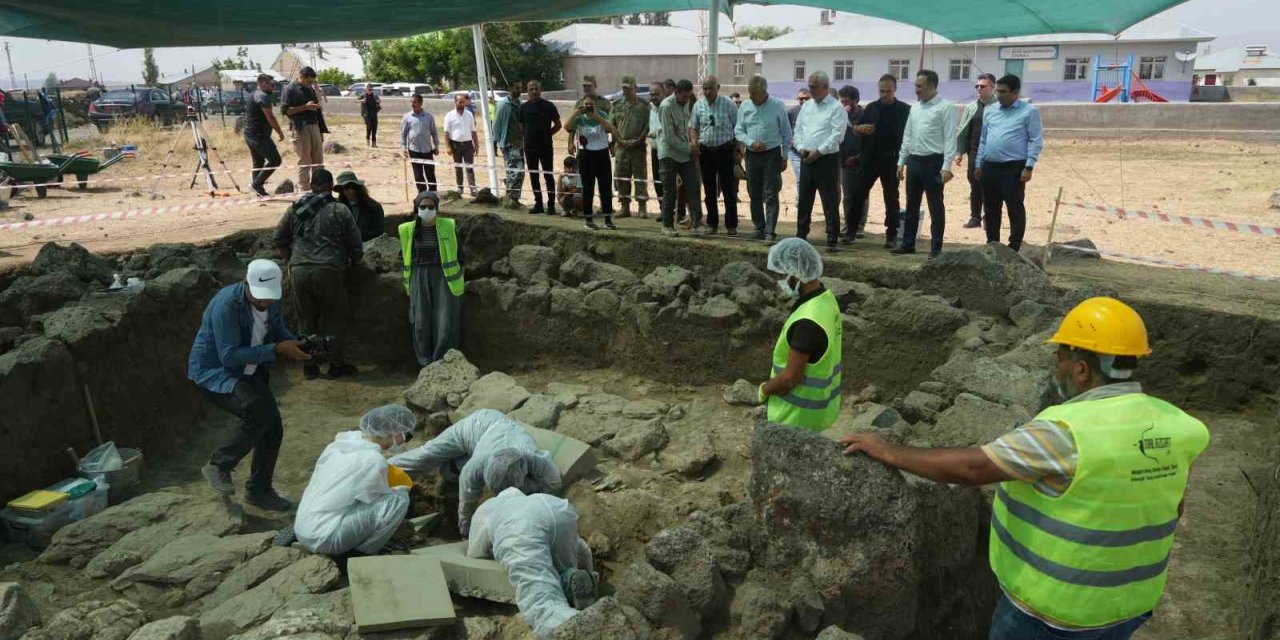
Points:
(265, 280)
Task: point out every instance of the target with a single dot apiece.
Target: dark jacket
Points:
(318, 230)
(369, 218)
(891, 123)
(851, 146)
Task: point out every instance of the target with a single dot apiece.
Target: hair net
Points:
(388, 420)
(796, 257)
(507, 468)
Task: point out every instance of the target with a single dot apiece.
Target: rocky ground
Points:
(708, 523)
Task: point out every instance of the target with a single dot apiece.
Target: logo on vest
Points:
(1158, 450)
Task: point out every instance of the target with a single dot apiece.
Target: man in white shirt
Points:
(460, 125)
(928, 149)
(820, 128)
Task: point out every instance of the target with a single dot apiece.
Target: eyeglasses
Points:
(981, 86)
(802, 99)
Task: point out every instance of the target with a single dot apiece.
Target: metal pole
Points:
(920, 67)
(13, 82)
(713, 36)
(1048, 245)
(222, 106)
(62, 113)
(482, 71)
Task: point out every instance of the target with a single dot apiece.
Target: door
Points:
(1014, 67)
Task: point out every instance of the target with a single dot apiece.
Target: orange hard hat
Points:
(396, 477)
(1105, 326)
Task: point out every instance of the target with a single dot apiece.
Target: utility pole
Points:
(13, 81)
(93, 68)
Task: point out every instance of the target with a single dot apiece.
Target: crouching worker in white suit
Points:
(487, 450)
(535, 537)
(349, 504)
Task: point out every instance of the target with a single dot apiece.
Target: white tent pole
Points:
(482, 71)
(713, 37)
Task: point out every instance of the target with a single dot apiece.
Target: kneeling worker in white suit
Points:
(535, 537)
(349, 505)
(487, 450)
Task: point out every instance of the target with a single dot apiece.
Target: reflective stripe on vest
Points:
(447, 237)
(1097, 554)
(814, 404)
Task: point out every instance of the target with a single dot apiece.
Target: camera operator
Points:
(319, 240)
(241, 333)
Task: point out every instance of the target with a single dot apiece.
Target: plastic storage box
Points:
(37, 532)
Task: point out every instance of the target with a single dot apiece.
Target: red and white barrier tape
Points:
(1167, 263)
(1190, 221)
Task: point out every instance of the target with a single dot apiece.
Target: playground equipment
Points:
(1119, 74)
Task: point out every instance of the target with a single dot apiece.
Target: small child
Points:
(570, 188)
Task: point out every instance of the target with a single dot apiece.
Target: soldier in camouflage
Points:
(631, 156)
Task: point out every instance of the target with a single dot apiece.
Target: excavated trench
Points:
(774, 534)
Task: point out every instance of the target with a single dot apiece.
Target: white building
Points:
(858, 50)
(611, 51)
(1246, 66)
(319, 56)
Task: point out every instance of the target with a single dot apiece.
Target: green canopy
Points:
(173, 23)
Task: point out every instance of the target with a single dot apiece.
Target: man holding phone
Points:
(302, 106)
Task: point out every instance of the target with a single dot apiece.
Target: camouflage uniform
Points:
(602, 105)
(631, 164)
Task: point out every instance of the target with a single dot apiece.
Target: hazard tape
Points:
(1168, 263)
(1189, 221)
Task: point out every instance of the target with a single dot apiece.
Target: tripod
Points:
(202, 148)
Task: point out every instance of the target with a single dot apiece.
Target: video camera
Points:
(317, 345)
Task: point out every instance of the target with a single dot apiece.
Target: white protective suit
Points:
(469, 445)
(347, 504)
(535, 537)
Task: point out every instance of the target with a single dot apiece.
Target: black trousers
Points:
(823, 178)
(541, 163)
(924, 178)
(464, 153)
(597, 173)
(266, 157)
(260, 430)
(884, 169)
(975, 188)
(1002, 184)
(653, 171)
(424, 174)
(717, 178)
(371, 130)
(679, 177)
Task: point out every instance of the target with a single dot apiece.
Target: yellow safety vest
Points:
(815, 403)
(1097, 554)
(446, 234)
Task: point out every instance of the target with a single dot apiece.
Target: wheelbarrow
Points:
(37, 174)
(82, 166)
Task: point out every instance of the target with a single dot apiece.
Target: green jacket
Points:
(632, 120)
(967, 120)
(673, 141)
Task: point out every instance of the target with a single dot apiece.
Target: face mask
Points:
(785, 285)
(427, 214)
(1060, 388)
(397, 447)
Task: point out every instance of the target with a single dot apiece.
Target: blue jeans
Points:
(1010, 623)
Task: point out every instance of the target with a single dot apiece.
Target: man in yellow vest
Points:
(804, 390)
(432, 278)
(1090, 491)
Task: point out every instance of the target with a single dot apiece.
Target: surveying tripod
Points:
(203, 148)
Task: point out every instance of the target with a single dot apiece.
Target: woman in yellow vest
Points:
(804, 390)
(1090, 491)
(432, 278)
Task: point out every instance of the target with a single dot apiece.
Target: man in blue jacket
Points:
(241, 333)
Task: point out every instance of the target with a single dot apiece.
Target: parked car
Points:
(475, 96)
(329, 90)
(410, 88)
(357, 89)
(139, 102)
(26, 114)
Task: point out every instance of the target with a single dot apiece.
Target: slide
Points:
(1144, 93)
(1108, 95)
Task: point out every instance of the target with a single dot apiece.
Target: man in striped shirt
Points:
(711, 131)
(1079, 543)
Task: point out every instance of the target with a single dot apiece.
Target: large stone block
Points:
(450, 374)
(991, 279)
(312, 574)
(471, 577)
(18, 612)
(574, 458)
(997, 380)
(497, 391)
(397, 592)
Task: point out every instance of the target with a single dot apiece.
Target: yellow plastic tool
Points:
(396, 477)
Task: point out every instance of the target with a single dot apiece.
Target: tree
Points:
(762, 32)
(150, 72)
(240, 62)
(335, 77)
(515, 51)
(52, 81)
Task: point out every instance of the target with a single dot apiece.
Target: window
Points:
(1151, 68)
(900, 69)
(739, 69)
(799, 75)
(844, 70)
(1076, 69)
(960, 69)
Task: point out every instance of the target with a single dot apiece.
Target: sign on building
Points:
(1043, 52)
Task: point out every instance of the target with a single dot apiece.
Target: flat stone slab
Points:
(574, 458)
(471, 577)
(399, 592)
